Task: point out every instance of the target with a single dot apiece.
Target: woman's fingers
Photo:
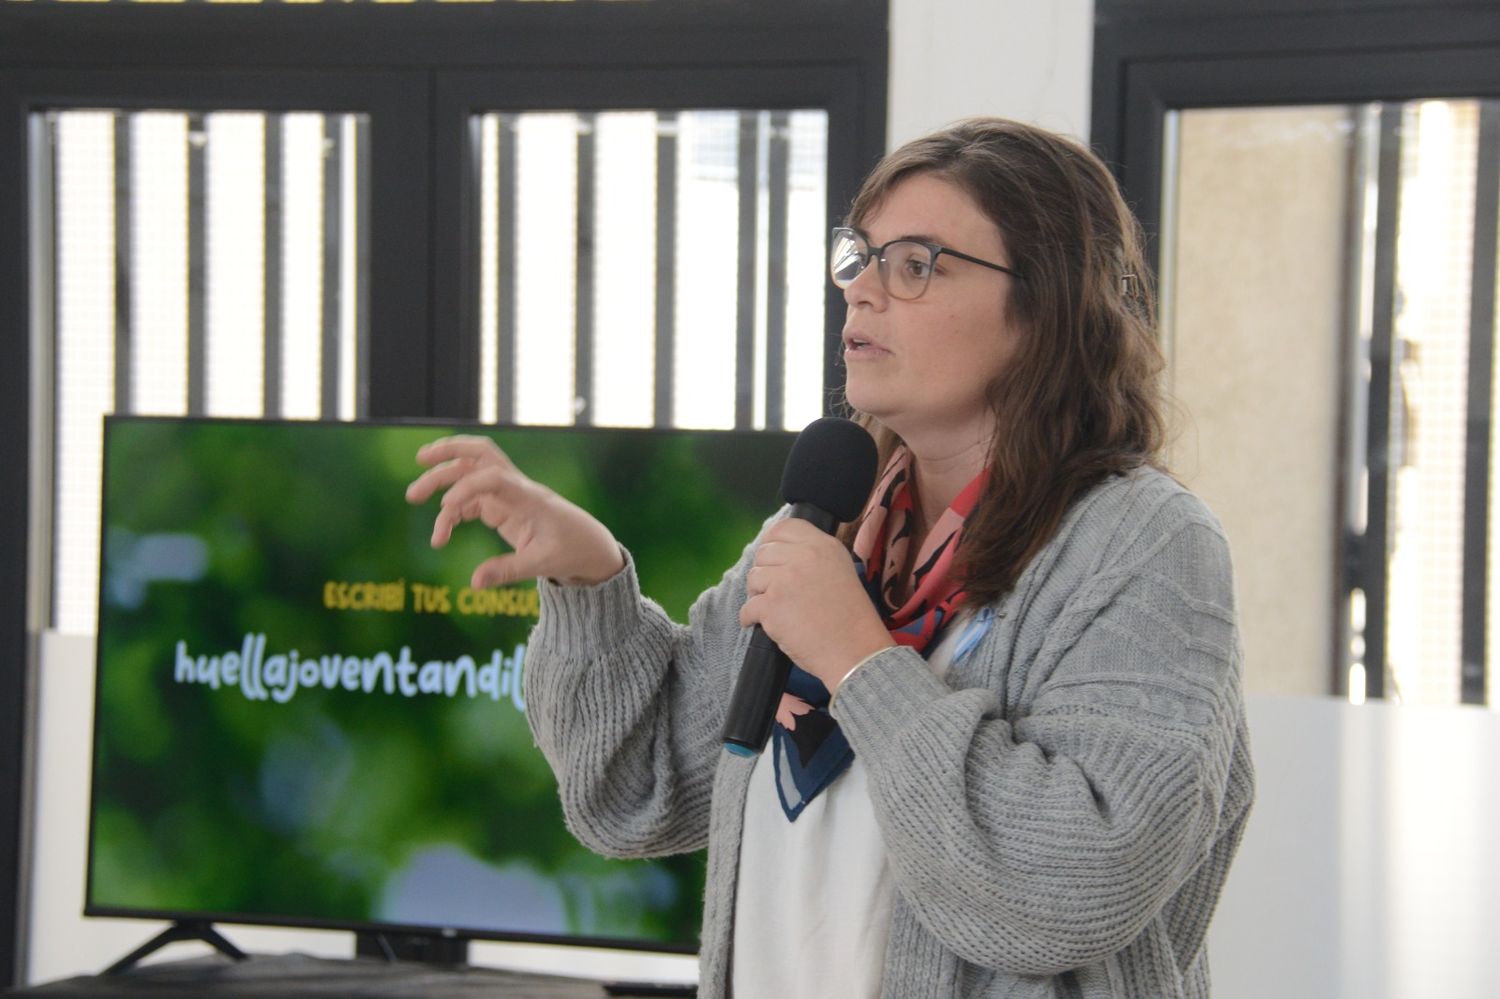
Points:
(501, 570)
(507, 486)
(465, 446)
(450, 459)
(550, 536)
(803, 590)
(423, 486)
(487, 494)
(443, 524)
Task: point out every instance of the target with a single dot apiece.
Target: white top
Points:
(813, 904)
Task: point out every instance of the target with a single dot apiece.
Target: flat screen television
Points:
(304, 716)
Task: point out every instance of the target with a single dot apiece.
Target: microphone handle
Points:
(757, 693)
(816, 516)
(762, 679)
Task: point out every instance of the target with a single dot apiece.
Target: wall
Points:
(1367, 870)
(954, 58)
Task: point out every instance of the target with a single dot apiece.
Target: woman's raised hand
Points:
(548, 535)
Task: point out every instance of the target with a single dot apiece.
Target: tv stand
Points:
(424, 948)
(185, 929)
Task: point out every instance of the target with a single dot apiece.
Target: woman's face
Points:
(922, 366)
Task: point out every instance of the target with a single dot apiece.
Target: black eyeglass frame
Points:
(878, 254)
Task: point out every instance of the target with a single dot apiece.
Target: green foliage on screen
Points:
(340, 800)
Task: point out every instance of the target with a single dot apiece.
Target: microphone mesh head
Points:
(831, 466)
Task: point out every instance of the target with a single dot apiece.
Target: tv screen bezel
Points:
(358, 926)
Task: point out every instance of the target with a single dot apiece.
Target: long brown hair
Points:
(1080, 398)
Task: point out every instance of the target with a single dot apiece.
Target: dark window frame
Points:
(416, 65)
(1152, 58)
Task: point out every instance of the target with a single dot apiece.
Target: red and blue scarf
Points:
(808, 750)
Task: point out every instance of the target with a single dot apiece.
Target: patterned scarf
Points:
(807, 748)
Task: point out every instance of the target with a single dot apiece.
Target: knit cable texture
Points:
(1060, 811)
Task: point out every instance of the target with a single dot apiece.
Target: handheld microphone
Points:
(827, 479)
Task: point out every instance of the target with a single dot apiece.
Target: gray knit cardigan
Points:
(1059, 812)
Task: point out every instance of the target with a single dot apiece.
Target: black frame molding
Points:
(1481, 402)
(417, 70)
(1152, 58)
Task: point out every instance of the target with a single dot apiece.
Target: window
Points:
(1354, 144)
(1354, 293)
(675, 251)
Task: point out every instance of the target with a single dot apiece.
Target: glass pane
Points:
(1429, 412)
(1318, 275)
(619, 286)
(1252, 268)
(204, 263)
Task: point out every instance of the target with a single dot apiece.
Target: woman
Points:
(1033, 771)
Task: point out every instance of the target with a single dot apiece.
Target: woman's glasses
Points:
(905, 265)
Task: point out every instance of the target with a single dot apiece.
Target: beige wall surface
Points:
(953, 59)
(1252, 300)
